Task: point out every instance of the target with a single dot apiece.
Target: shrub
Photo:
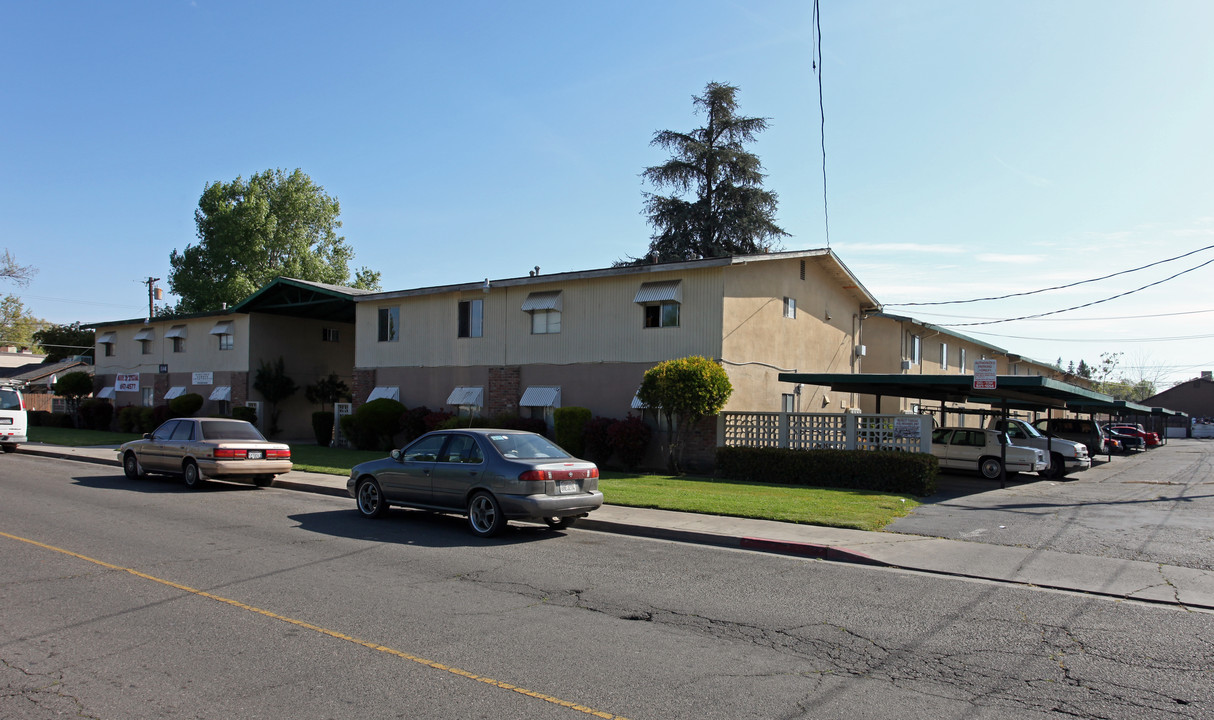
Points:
(96, 414)
(434, 419)
(63, 420)
(186, 405)
(570, 429)
(245, 413)
(322, 427)
(147, 420)
(374, 425)
(160, 415)
(596, 442)
(39, 418)
(876, 470)
(128, 419)
(630, 439)
(413, 423)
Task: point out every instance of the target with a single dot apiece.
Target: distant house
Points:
(1195, 397)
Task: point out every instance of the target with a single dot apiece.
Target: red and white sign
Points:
(127, 383)
(984, 374)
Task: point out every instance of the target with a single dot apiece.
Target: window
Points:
(330, 335)
(109, 349)
(177, 334)
(790, 308)
(225, 330)
(145, 338)
(788, 402)
(545, 309)
(225, 342)
(148, 399)
(106, 341)
(944, 356)
(471, 318)
(662, 315)
(145, 347)
(178, 344)
(545, 322)
(389, 324)
(916, 350)
(961, 359)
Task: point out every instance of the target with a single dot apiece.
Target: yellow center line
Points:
(330, 633)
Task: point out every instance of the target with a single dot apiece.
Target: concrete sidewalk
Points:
(1128, 579)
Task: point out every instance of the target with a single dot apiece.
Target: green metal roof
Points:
(1031, 391)
(302, 298)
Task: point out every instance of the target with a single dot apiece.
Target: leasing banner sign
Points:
(127, 383)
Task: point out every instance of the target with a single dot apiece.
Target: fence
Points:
(832, 431)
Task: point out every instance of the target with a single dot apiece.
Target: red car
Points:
(1150, 439)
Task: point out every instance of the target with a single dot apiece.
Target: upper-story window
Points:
(330, 335)
(176, 335)
(389, 324)
(790, 308)
(545, 310)
(661, 303)
(961, 359)
(916, 349)
(106, 340)
(471, 318)
(146, 336)
(944, 356)
(225, 330)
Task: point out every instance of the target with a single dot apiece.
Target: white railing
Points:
(825, 431)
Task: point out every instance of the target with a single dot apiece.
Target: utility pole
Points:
(154, 293)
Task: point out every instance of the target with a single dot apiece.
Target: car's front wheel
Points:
(370, 498)
(191, 475)
(989, 467)
(485, 517)
(131, 467)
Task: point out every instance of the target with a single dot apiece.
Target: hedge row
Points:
(881, 471)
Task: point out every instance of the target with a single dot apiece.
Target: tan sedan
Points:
(201, 448)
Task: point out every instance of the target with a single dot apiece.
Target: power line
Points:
(1082, 319)
(816, 60)
(1059, 287)
(1094, 302)
(1098, 340)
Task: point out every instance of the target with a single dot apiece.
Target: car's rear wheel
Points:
(8, 447)
(263, 480)
(191, 475)
(131, 467)
(485, 517)
(370, 498)
(989, 467)
(559, 523)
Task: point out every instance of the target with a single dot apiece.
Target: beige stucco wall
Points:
(758, 342)
(599, 323)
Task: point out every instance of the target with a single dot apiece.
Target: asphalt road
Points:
(138, 599)
(1154, 506)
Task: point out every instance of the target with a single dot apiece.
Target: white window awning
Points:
(637, 404)
(175, 391)
(106, 393)
(664, 291)
(223, 328)
(145, 334)
(177, 331)
(107, 338)
(385, 391)
(549, 300)
(541, 396)
(464, 396)
(222, 392)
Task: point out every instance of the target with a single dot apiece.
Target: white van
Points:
(13, 419)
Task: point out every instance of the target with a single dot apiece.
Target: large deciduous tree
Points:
(17, 325)
(251, 231)
(728, 211)
(60, 342)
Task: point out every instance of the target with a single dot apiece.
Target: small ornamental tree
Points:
(275, 386)
(72, 387)
(685, 391)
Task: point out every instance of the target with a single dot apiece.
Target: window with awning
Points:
(541, 396)
(392, 392)
(467, 396)
(222, 393)
(175, 392)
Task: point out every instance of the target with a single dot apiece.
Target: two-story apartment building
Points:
(529, 344)
(146, 362)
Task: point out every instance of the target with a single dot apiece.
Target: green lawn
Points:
(812, 506)
(856, 509)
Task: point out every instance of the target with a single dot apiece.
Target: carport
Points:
(1026, 392)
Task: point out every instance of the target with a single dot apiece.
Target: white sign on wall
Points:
(203, 378)
(126, 383)
(907, 426)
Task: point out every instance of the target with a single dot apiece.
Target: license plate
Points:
(567, 486)
(6, 421)
(257, 454)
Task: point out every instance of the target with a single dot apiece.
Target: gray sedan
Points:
(489, 475)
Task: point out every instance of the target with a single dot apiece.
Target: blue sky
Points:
(972, 149)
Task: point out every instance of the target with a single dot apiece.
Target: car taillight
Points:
(543, 475)
(534, 476)
(273, 454)
(231, 453)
